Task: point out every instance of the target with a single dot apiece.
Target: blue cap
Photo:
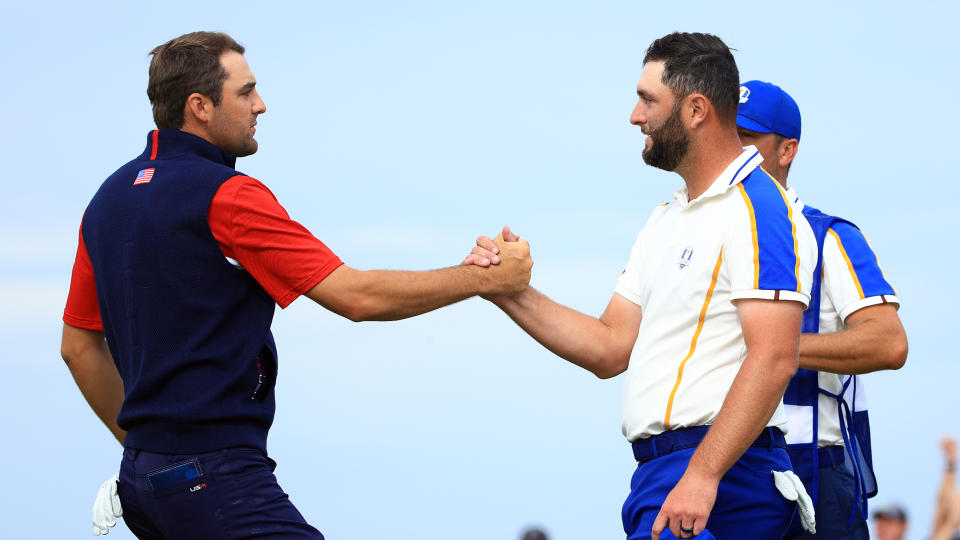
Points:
(766, 108)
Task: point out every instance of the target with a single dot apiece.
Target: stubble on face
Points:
(670, 142)
(234, 119)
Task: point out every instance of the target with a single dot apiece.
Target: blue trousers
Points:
(229, 493)
(834, 502)
(748, 504)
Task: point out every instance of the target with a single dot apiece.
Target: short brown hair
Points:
(182, 66)
(701, 63)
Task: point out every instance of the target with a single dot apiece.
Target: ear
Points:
(198, 107)
(695, 109)
(788, 151)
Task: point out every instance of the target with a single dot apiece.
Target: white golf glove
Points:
(106, 508)
(790, 486)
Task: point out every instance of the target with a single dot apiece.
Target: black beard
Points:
(670, 143)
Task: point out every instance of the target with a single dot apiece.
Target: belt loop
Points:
(770, 437)
(653, 447)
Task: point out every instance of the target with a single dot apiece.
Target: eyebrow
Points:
(644, 94)
(248, 86)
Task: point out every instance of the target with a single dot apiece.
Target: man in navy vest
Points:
(180, 264)
(851, 327)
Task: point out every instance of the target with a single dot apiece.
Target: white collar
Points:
(736, 171)
(794, 198)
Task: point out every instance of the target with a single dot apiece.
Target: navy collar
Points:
(171, 143)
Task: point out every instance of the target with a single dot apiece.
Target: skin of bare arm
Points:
(383, 295)
(86, 354)
(771, 331)
(947, 516)
(873, 340)
(601, 345)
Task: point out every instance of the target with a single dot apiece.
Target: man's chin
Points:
(248, 149)
(657, 161)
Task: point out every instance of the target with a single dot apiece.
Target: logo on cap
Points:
(744, 94)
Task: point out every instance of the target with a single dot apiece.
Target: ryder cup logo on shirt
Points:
(685, 257)
(744, 94)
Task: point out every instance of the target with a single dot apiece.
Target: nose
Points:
(259, 107)
(638, 117)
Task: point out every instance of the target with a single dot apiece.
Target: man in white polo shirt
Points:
(851, 327)
(705, 319)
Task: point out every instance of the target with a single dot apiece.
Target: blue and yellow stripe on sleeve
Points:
(776, 261)
(861, 261)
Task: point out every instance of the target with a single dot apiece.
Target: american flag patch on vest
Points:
(144, 176)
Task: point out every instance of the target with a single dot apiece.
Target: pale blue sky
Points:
(397, 132)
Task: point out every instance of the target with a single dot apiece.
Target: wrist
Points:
(701, 472)
(482, 278)
(504, 300)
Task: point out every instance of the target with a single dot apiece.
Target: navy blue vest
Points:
(804, 389)
(188, 331)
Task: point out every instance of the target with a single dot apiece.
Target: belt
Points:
(831, 455)
(680, 439)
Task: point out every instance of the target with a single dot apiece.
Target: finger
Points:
(509, 235)
(475, 260)
(658, 525)
(486, 243)
(699, 525)
(486, 254)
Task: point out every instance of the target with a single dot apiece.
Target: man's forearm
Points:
(388, 295)
(874, 340)
(86, 354)
(751, 402)
(586, 341)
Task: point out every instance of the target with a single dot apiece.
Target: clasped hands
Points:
(508, 257)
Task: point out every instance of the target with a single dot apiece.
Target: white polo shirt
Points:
(852, 280)
(740, 239)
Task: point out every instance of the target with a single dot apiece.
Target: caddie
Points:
(851, 327)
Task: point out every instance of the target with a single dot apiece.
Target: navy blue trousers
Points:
(229, 493)
(748, 504)
(835, 500)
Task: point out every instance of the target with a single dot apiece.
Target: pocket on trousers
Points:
(186, 501)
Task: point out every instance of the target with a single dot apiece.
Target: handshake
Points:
(500, 270)
(508, 263)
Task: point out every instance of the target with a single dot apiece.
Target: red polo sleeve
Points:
(83, 309)
(257, 233)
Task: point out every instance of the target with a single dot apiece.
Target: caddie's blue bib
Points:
(804, 390)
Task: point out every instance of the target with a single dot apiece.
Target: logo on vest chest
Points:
(685, 257)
